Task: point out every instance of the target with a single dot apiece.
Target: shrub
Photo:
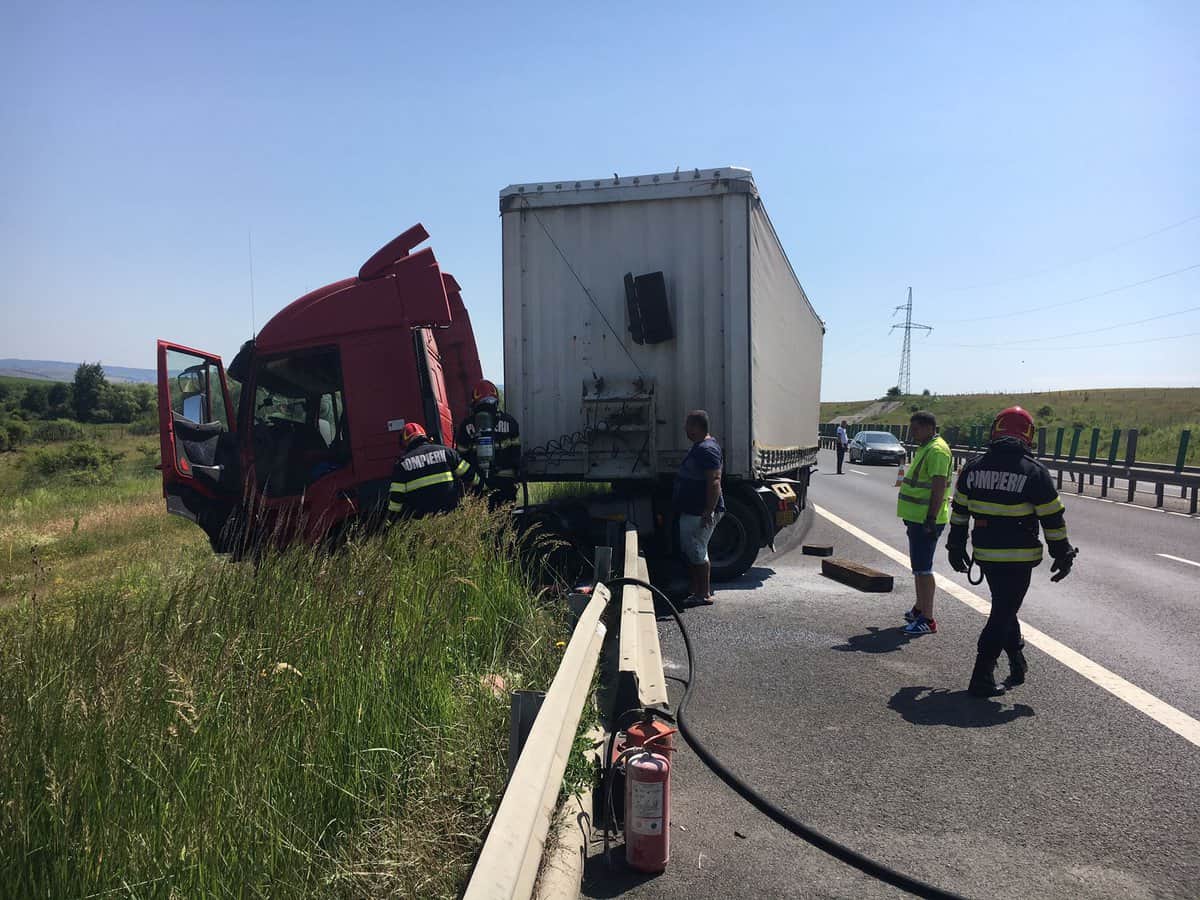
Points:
(1045, 412)
(144, 426)
(17, 432)
(83, 461)
(57, 430)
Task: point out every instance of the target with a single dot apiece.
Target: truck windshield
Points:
(301, 430)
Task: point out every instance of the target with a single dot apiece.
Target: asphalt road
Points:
(808, 690)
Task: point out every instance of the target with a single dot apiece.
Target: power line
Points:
(1155, 340)
(1055, 337)
(1115, 290)
(1083, 259)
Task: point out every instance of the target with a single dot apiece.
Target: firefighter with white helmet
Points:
(490, 440)
(1009, 493)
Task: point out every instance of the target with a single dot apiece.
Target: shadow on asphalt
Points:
(876, 640)
(937, 706)
(612, 878)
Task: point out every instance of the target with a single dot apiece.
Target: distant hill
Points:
(53, 370)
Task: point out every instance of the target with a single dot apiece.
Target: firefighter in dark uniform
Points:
(490, 440)
(427, 478)
(1008, 492)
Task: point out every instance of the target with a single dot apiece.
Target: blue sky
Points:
(954, 147)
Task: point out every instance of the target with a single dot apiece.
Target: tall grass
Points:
(316, 726)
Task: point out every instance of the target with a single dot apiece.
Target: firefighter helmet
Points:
(1014, 422)
(485, 390)
(412, 433)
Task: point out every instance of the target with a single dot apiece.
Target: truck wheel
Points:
(736, 541)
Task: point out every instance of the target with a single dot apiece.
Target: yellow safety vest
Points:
(931, 459)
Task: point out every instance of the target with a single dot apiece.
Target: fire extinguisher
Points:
(647, 810)
(645, 755)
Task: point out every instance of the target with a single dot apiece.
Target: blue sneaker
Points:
(912, 615)
(921, 625)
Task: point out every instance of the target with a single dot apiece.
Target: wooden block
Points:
(857, 575)
(818, 549)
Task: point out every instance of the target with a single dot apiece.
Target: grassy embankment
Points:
(1160, 414)
(172, 724)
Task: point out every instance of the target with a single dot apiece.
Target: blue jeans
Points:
(922, 546)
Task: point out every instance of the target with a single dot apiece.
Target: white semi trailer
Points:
(629, 301)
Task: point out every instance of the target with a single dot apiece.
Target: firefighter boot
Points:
(1017, 667)
(983, 679)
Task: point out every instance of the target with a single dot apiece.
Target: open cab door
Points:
(197, 437)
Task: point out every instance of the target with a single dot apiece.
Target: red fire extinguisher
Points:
(648, 796)
(648, 811)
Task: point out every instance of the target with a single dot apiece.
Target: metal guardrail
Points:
(1158, 475)
(512, 853)
(508, 864)
(640, 678)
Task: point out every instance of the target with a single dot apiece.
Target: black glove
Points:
(959, 560)
(1062, 564)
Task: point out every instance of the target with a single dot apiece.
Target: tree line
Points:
(89, 398)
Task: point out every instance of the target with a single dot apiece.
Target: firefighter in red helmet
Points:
(490, 440)
(1009, 493)
(427, 478)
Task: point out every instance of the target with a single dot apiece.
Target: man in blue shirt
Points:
(699, 503)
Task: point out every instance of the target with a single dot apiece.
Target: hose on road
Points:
(807, 833)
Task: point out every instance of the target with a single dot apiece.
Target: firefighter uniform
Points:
(506, 443)
(1008, 492)
(428, 478)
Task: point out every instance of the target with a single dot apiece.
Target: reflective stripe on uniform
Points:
(984, 508)
(918, 484)
(1056, 534)
(511, 442)
(462, 469)
(394, 506)
(1015, 554)
(400, 487)
(957, 518)
(1049, 509)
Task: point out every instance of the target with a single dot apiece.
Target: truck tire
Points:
(736, 541)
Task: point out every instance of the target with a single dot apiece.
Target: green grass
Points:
(315, 726)
(1159, 413)
(176, 725)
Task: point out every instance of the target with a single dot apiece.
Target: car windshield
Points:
(879, 438)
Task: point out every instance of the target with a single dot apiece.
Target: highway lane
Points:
(1125, 606)
(807, 689)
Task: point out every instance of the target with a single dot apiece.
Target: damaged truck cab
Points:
(299, 437)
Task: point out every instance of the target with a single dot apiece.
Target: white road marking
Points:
(1179, 559)
(856, 472)
(1149, 509)
(1143, 701)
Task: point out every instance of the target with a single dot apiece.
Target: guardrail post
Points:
(602, 565)
(1108, 481)
(1041, 443)
(1130, 456)
(1092, 454)
(1058, 439)
(1181, 458)
(521, 714)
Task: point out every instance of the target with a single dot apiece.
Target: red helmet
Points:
(412, 432)
(1014, 422)
(485, 390)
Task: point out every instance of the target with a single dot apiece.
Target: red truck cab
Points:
(299, 437)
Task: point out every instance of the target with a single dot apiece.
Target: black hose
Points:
(838, 851)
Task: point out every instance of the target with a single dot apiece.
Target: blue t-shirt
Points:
(691, 482)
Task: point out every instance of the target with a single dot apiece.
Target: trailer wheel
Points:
(736, 541)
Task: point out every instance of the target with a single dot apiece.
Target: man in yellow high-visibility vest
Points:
(924, 507)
